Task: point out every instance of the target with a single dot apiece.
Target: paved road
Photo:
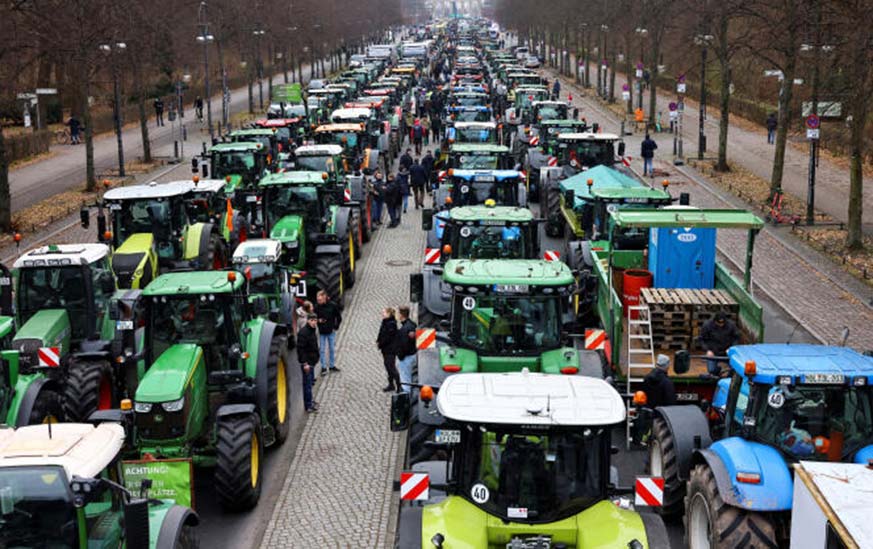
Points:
(65, 169)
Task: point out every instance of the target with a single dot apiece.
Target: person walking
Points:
(418, 180)
(658, 386)
(386, 341)
(425, 130)
(392, 200)
(75, 127)
(377, 191)
(436, 125)
(307, 356)
(772, 124)
(329, 319)
(403, 183)
(647, 151)
(405, 346)
(427, 163)
(556, 90)
(406, 160)
(198, 108)
(159, 111)
(717, 335)
(417, 136)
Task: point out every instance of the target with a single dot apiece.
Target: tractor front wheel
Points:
(46, 409)
(278, 412)
(329, 277)
(239, 460)
(710, 523)
(89, 388)
(216, 255)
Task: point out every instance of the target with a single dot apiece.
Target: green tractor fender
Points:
(26, 394)
(168, 524)
(258, 347)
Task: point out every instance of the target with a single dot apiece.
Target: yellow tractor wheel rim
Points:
(50, 418)
(256, 459)
(351, 252)
(282, 392)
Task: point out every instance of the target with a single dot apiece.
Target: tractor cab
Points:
(542, 111)
(259, 261)
(524, 461)
(469, 99)
(472, 132)
(294, 203)
(286, 131)
(580, 151)
(235, 215)
(268, 138)
(352, 137)
(241, 164)
(468, 114)
(318, 158)
(476, 187)
(521, 100)
(479, 156)
(63, 487)
(360, 115)
(547, 131)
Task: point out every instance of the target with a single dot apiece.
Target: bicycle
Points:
(63, 137)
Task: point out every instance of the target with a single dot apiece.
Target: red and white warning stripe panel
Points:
(649, 491)
(626, 160)
(441, 175)
(552, 162)
(347, 195)
(49, 356)
(431, 256)
(552, 255)
(414, 486)
(595, 339)
(425, 338)
(534, 141)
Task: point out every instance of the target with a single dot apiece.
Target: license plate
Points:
(824, 378)
(447, 436)
(251, 198)
(5, 281)
(115, 206)
(123, 325)
(484, 178)
(300, 291)
(511, 288)
(687, 396)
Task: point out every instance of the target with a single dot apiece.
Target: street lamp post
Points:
(259, 66)
(111, 49)
(702, 40)
(642, 33)
(205, 38)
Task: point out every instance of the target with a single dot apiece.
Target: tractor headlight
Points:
(142, 407)
(173, 405)
(292, 244)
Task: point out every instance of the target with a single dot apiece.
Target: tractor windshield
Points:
(316, 163)
(37, 508)
(261, 276)
(196, 319)
(552, 112)
(470, 100)
(490, 242)
(227, 163)
(533, 477)
(471, 193)
(283, 201)
(476, 161)
(158, 216)
(473, 135)
(515, 324)
(588, 154)
(813, 422)
(57, 288)
(471, 115)
(346, 139)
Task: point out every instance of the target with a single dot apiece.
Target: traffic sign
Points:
(813, 134)
(680, 87)
(813, 122)
(673, 106)
(46, 91)
(26, 96)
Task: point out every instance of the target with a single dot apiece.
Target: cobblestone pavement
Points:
(339, 490)
(807, 285)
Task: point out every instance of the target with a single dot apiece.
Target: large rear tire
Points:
(239, 458)
(554, 224)
(216, 255)
(278, 411)
(329, 277)
(664, 462)
(348, 252)
(88, 388)
(47, 408)
(713, 524)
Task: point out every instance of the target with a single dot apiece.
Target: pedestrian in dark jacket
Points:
(556, 89)
(307, 356)
(427, 163)
(418, 179)
(329, 319)
(717, 335)
(386, 340)
(393, 199)
(772, 124)
(406, 160)
(377, 190)
(658, 386)
(75, 126)
(405, 346)
(403, 182)
(159, 111)
(647, 151)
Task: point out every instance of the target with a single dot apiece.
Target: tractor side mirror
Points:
(684, 199)
(681, 362)
(569, 198)
(260, 307)
(85, 218)
(427, 219)
(107, 283)
(416, 287)
(400, 411)
(195, 165)
(621, 148)
(204, 170)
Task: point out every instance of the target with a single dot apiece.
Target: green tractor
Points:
(319, 235)
(216, 388)
(67, 357)
(241, 164)
(62, 486)
(268, 138)
(523, 462)
(151, 232)
(259, 260)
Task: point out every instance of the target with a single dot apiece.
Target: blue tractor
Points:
(730, 464)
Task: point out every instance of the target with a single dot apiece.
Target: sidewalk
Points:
(749, 149)
(807, 285)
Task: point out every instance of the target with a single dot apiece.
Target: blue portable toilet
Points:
(682, 257)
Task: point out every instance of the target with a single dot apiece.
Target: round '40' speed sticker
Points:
(479, 493)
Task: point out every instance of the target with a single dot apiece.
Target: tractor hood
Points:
(46, 328)
(130, 257)
(168, 376)
(288, 229)
(549, 362)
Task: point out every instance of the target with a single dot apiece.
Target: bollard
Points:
(184, 133)
(176, 149)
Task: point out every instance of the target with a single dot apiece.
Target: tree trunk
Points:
(785, 95)
(587, 59)
(5, 197)
(90, 173)
(860, 110)
(653, 88)
(723, 54)
(143, 116)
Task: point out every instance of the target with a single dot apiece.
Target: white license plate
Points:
(252, 198)
(124, 325)
(300, 291)
(687, 396)
(5, 281)
(447, 436)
